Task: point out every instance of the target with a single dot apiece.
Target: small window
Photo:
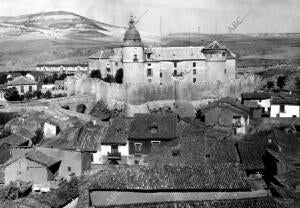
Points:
(136, 162)
(207, 155)
(224, 71)
(69, 169)
(149, 72)
(294, 116)
(135, 57)
(148, 55)
(30, 88)
(175, 72)
(108, 69)
(22, 89)
(194, 80)
(160, 74)
(149, 64)
(137, 147)
(194, 71)
(175, 64)
(282, 108)
(194, 64)
(155, 143)
(116, 64)
(223, 54)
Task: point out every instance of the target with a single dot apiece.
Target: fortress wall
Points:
(136, 94)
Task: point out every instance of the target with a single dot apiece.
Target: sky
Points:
(169, 16)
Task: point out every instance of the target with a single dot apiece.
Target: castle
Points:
(162, 65)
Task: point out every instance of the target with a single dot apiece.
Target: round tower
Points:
(133, 55)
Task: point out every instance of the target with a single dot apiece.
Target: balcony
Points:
(114, 155)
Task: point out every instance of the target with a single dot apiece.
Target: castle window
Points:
(223, 54)
(194, 80)
(175, 64)
(116, 63)
(135, 57)
(194, 71)
(149, 64)
(149, 72)
(194, 64)
(224, 71)
(175, 72)
(148, 55)
(160, 74)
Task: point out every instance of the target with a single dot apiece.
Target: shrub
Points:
(12, 94)
(281, 81)
(96, 74)
(119, 76)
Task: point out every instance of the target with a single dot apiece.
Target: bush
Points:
(12, 94)
(281, 81)
(37, 94)
(96, 74)
(119, 76)
(47, 94)
(28, 95)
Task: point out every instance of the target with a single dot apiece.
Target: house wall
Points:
(146, 145)
(5, 153)
(16, 171)
(37, 173)
(69, 158)
(266, 104)
(290, 111)
(49, 130)
(26, 88)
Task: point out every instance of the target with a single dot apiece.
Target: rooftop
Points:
(153, 126)
(212, 177)
(285, 101)
(256, 95)
(21, 81)
(117, 132)
(41, 158)
(63, 65)
(14, 140)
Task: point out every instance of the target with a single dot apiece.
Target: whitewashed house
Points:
(285, 107)
(50, 129)
(115, 145)
(23, 85)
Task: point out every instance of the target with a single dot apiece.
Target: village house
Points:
(285, 107)
(228, 113)
(11, 76)
(50, 129)
(147, 131)
(258, 102)
(115, 145)
(34, 166)
(23, 85)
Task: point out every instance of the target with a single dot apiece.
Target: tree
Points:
(96, 74)
(62, 76)
(281, 81)
(297, 83)
(47, 94)
(270, 84)
(3, 78)
(12, 94)
(37, 94)
(119, 76)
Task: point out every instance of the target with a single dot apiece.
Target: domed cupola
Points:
(132, 36)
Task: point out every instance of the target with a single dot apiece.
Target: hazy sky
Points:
(176, 15)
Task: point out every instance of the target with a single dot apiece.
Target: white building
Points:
(285, 107)
(164, 64)
(23, 85)
(62, 68)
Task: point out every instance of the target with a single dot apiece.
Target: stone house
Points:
(147, 131)
(34, 166)
(115, 145)
(285, 107)
(228, 113)
(50, 129)
(23, 85)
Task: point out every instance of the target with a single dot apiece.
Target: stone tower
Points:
(133, 56)
(215, 55)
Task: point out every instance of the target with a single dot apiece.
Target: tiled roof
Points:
(41, 158)
(251, 155)
(177, 53)
(21, 81)
(184, 109)
(142, 124)
(117, 132)
(25, 133)
(261, 202)
(63, 65)
(285, 101)
(215, 45)
(229, 103)
(14, 140)
(86, 138)
(212, 177)
(290, 178)
(192, 150)
(256, 95)
(103, 54)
